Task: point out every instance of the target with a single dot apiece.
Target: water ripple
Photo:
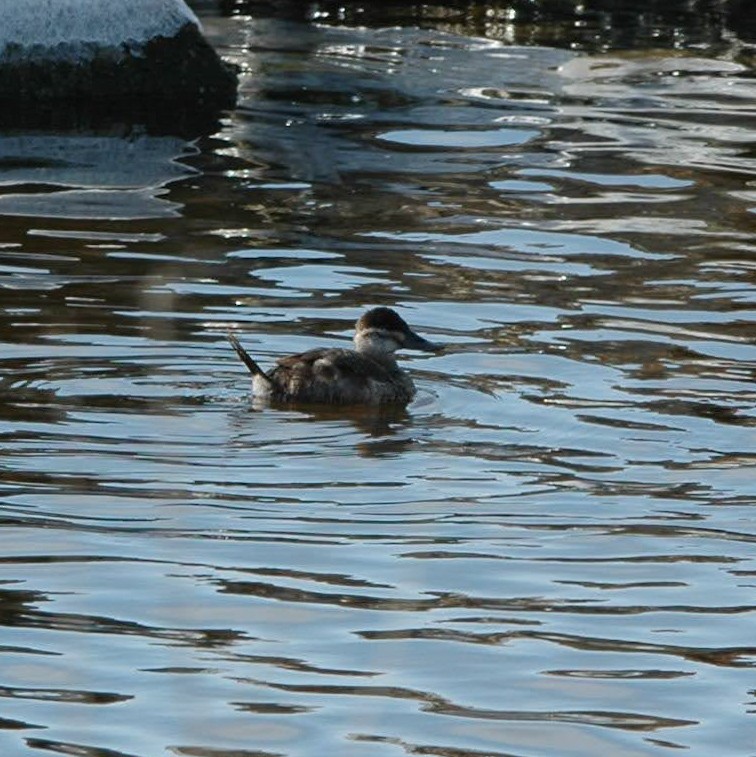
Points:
(549, 552)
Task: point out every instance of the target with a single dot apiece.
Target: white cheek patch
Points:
(382, 340)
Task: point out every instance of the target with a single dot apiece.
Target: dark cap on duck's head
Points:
(388, 322)
(382, 318)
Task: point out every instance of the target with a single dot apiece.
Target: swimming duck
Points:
(369, 374)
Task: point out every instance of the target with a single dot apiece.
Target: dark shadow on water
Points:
(147, 116)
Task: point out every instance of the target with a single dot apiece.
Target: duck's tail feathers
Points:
(246, 358)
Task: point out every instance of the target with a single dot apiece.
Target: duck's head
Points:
(382, 331)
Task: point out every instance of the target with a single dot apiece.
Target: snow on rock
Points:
(67, 28)
(113, 50)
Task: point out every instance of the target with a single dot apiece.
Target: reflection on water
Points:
(90, 176)
(586, 25)
(550, 552)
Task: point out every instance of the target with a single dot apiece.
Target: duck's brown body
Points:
(367, 375)
(336, 376)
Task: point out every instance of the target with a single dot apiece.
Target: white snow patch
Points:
(79, 28)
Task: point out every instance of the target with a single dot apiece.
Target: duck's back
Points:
(337, 376)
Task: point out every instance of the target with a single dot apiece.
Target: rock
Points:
(100, 50)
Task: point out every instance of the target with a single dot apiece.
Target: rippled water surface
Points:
(549, 552)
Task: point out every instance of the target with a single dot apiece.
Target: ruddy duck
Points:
(369, 374)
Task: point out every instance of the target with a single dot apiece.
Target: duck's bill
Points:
(414, 341)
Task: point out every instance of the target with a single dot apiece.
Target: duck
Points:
(367, 375)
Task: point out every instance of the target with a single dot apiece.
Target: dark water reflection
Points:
(550, 552)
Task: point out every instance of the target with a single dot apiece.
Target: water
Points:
(550, 552)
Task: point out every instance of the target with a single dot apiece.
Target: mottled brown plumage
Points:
(369, 374)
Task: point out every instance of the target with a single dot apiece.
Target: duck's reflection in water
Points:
(380, 429)
(385, 429)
